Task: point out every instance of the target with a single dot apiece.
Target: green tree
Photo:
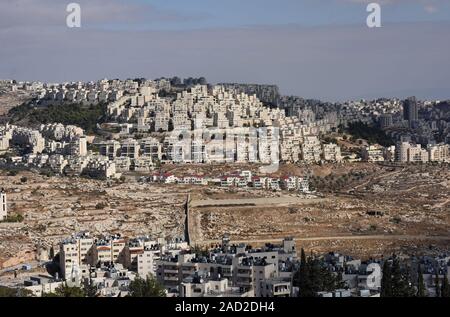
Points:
(445, 288)
(66, 291)
(421, 291)
(409, 290)
(13, 292)
(372, 134)
(52, 253)
(397, 279)
(90, 289)
(401, 282)
(304, 282)
(313, 277)
(437, 285)
(386, 280)
(80, 115)
(146, 288)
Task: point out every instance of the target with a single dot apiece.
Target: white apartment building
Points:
(204, 287)
(143, 164)
(100, 167)
(417, 154)
(411, 153)
(110, 149)
(57, 163)
(28, 138)
(332, 153)
(75, 252)
(41, 285)
(292, 183)
(4, 142)
(439, 153)
(59, 132)
(311, 149)
(123, 164)
(401, 152)
(146, 261)
(275, 287)
(109, 250)
(373, 153)
(78, 146)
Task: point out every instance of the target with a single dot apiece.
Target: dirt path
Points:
(256, 202)
(351, 238)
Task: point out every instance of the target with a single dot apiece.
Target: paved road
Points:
(350, 238)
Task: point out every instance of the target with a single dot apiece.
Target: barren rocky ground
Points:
(411, 202)
(56, 207)
(387, 209)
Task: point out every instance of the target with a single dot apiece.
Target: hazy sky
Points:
(311, 48)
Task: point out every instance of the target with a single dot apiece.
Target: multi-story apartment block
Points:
(57, 163)
(123, 164)
(106, 250)
(152, 148)
(29, 139)
(417, 154)
(311, 149)
(75, 252)
(439, 153)
(275, 287)
(373, 153)
(146, 261)
(331, 153)
(204, 286)
(401, 152)
(78, 146)
(100, 167)
(411, 153)
(110, 149)
(4, 142)
(292, 183)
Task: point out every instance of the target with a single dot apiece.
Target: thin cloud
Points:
(332, 63)
(44, 13)
(429, 6)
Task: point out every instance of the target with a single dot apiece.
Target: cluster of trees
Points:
(442, 288)
(335, 182)
(312, 277)
(86, 117)
(12, 292)
(87, 290)
(148, 287)
(372, 134)
(176, 81)
(67, 291)
(398, 282)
